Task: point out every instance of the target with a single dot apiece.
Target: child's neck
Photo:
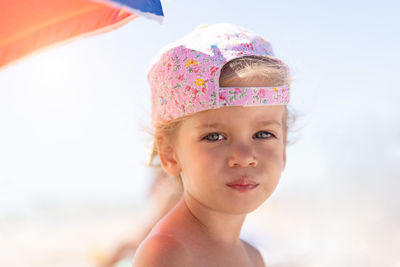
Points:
(222, 228)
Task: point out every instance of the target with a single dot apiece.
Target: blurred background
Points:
(73, 180)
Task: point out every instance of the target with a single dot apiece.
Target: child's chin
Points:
(242, 208)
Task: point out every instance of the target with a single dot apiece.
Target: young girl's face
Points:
(231, 158)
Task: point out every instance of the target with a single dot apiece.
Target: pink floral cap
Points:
(184, 78)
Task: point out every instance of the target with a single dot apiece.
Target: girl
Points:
(219, 109)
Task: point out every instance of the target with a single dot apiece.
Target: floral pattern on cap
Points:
(185, 78)
(253, 96)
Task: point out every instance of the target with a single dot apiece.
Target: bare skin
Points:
(195, 245)
(204, 228)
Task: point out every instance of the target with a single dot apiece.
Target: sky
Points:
(73, 120)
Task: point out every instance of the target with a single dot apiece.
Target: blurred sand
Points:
(64, 241)
(289, 231)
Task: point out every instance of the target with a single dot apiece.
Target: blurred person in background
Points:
(165, 192)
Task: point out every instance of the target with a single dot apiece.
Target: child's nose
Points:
(242, 156)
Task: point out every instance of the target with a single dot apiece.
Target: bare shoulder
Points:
(254, 254)
(161, 250)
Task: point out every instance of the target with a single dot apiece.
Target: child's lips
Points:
(243, 184)
(243, 188)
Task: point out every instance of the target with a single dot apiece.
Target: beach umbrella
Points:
(29, 26)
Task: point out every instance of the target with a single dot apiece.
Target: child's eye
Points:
(213, 137)
(263, 135)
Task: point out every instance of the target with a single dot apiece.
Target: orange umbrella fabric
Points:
(32, 25)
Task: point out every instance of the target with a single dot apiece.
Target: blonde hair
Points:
(248, 68)
(244, 68)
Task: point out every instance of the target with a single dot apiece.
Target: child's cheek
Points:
(212, 154)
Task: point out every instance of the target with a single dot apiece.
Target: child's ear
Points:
(168, 157)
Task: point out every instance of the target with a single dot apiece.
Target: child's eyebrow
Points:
(269, 122)
(209, 125)
(219, 125)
